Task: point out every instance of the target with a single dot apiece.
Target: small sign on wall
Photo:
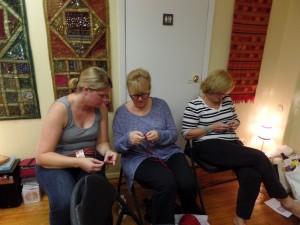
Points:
(168, 19)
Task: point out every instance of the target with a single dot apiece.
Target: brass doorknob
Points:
(195, 78)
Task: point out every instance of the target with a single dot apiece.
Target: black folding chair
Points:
(198, 163)
(135, 199)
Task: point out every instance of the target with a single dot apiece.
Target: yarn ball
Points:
(189, 219)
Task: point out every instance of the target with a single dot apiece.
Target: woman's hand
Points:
(110, 157)
(234, 124)
(152, 136)
(136, 137)
(90, 165)
(219, 127)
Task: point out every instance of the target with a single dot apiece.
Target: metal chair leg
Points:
(120, 180)
(198, 187)
(137, 204)
(127, 211)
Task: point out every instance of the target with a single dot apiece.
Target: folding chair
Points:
(135, 199)
(138, 204)
(205, 166)
(92, 200)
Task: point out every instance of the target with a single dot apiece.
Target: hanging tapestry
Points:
(18, 95)
(250, 25)
(78, 37)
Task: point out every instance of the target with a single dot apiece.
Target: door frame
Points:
(123, 95)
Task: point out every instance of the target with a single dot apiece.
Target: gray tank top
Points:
(73, 137)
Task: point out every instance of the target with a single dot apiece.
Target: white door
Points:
(173, 54)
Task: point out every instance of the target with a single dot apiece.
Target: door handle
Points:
(195, 79)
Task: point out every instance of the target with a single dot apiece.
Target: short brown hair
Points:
(217, 81)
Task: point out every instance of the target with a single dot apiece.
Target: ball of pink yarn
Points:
(189, 219)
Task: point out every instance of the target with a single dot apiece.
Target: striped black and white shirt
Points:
(197, 114)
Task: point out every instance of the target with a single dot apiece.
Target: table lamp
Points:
(265, 133)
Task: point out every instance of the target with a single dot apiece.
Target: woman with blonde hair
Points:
(145, 135)
(210, 121)
(74, 141)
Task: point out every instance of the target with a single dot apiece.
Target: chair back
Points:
(189, 151)
(92, 200)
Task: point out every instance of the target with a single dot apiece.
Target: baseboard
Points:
(113, 175)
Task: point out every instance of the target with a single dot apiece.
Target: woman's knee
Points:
(168, 183)
(248, 175)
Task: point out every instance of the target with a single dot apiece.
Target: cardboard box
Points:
(31, 193)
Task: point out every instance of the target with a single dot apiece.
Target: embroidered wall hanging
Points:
(78, 37)
(18, 95)
(250, 24)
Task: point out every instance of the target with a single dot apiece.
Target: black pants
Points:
(166, 183)
(251, 165)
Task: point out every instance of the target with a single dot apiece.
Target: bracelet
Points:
(207, 129)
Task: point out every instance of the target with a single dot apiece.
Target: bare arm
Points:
(51, 131)
(103, 146)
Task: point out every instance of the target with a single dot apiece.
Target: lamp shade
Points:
(265, 132)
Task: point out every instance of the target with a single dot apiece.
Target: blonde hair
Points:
(217, 81)
(138, 80)
(93, 78)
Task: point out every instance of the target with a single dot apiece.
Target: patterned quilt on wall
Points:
(18, 95)
(249, 30)
(78, 37)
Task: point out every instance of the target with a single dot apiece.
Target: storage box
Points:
(27, 167)
(10, 186)
(31, 193)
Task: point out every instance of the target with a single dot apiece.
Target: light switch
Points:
(168, 19)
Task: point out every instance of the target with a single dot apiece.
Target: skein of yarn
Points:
(189, 219)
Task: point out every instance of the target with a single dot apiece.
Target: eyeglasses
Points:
(142, 95)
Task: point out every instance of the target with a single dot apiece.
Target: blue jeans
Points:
(58, 185)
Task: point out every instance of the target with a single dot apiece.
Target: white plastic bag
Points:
(293, 178)
(292, 174)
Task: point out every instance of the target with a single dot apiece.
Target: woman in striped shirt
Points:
(210, 122)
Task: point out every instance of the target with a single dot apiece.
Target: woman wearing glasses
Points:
(145, 135)
(210, 122)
